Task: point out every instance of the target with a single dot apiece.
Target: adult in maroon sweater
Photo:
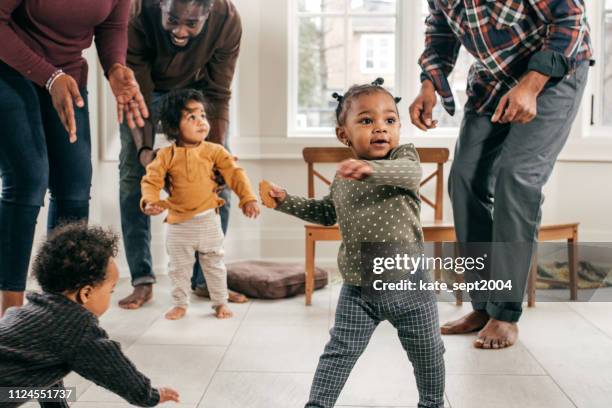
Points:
(44, 135)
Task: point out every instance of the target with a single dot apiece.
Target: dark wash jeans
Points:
(35, 155)
(135, 225)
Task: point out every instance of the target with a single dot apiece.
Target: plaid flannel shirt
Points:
(507, 38)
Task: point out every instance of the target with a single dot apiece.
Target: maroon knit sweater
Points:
(40, 36)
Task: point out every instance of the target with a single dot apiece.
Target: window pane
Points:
(321, 6)
(320, 70)
(607, 67)
(371, 49)
(374, 6)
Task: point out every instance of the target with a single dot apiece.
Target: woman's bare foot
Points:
(233, 297)
(176, 313)
(469, 323)
(497, 334)
(222, 312)
(141, 295)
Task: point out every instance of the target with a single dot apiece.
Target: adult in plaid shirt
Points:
(524, 90)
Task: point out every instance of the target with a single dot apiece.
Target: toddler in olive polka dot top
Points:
(373, 198)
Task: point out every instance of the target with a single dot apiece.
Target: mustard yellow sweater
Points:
(193, 184)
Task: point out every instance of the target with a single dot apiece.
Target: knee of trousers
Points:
(26, 187)
(460, 179)
(521, 182)
(339, 346)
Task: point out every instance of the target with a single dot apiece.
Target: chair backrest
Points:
(430, 155)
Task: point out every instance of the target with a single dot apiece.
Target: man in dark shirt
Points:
(524, 90)
(173, 44)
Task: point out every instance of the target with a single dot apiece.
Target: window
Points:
(377, 53)
(338, 43)
(606, 97)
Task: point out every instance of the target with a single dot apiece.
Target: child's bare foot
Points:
(223, 312)
(233, 297)
(176, 313)
(469, 323)
(141, 295)
(497, 334)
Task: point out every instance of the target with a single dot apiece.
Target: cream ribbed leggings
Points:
(201, 234)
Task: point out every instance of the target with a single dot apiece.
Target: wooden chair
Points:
(556, 232)
(436, 231)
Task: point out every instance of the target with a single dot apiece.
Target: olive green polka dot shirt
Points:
(385, 207)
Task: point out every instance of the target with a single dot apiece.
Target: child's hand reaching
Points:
(152, 209)
(352, 169)
(167, 394)
(251, 209)
(271, 195)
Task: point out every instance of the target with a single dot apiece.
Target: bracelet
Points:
(52, 79)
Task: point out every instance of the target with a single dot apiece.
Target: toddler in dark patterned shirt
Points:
(57, 331)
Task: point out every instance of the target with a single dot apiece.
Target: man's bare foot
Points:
(222, 312)
(176, 313)
(233, 297)
(469, 323)
(497, 334)
(141, 295)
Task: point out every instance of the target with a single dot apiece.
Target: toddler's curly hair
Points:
(75, 255)
(171, 109)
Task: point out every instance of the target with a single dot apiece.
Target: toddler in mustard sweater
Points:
(193, 222)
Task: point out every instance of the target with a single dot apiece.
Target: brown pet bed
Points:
(270, 280)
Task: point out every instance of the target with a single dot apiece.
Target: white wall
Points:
(579, 189)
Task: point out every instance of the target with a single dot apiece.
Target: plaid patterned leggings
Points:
(418, 329)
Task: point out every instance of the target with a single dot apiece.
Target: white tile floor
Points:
(266, 355)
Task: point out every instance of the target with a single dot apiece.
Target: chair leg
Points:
(310, 259)
(532, 280)
(572, 257)
(458, 292)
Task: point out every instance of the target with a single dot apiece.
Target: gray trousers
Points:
(496, 182)
(357, 317)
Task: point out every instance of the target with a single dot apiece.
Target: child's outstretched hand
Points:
(352, 169)
(167, 394)
(152, 209)
(251, 209)
(271, 195)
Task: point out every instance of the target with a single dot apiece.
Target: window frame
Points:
(408, 30)
(588, 140)
(593, 100)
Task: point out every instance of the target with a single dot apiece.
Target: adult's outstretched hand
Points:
(130, 102)
(64, 95)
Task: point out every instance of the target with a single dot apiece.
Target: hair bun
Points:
(378, 81)
(337, 96)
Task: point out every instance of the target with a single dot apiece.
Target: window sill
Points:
(279, 147)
